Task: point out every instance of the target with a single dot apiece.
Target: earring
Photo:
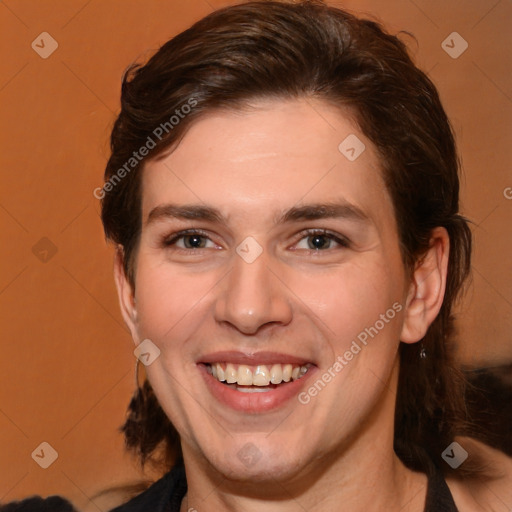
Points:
(423, 352)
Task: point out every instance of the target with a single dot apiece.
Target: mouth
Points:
(256, 379)
(255, 383)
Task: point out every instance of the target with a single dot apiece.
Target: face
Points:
(270, 260)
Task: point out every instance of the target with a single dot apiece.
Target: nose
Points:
(252, 298)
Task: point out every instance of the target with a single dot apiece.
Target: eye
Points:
(320, 240)
(190, 240)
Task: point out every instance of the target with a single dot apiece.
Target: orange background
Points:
(67, 363)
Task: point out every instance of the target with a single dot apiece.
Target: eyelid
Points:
(170, 240)
(342, 240)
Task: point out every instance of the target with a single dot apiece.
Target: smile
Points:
(255, 383)
(256, 378)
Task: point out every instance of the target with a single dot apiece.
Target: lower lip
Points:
(254, 402)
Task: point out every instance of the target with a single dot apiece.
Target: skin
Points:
(253, 166)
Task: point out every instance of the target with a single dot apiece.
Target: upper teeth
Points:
(261, 375)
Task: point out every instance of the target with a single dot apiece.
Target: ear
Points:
(426, 291)
(125, 294)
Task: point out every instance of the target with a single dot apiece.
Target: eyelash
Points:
(339, 239)
(175, 237)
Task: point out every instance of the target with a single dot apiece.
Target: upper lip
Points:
(252, 358)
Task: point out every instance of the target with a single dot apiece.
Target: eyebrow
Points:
(316, 211)
(341, 210)
(185, 212)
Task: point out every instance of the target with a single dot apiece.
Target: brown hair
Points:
(309, 50)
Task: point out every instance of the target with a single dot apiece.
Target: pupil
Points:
(318, 242)
(194, 241)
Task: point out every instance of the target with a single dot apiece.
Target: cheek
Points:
(168, 301)
(347, 300)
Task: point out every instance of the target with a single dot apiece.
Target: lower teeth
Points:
(253, 389)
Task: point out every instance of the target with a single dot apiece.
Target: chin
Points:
(250, 464)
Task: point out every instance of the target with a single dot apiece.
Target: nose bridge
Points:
(252, 295)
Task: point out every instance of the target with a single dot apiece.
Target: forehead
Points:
(273, 156)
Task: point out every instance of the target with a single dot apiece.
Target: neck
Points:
(364, 475)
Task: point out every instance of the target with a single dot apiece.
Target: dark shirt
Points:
(166, 495)
(439, 497)
(163, 496)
